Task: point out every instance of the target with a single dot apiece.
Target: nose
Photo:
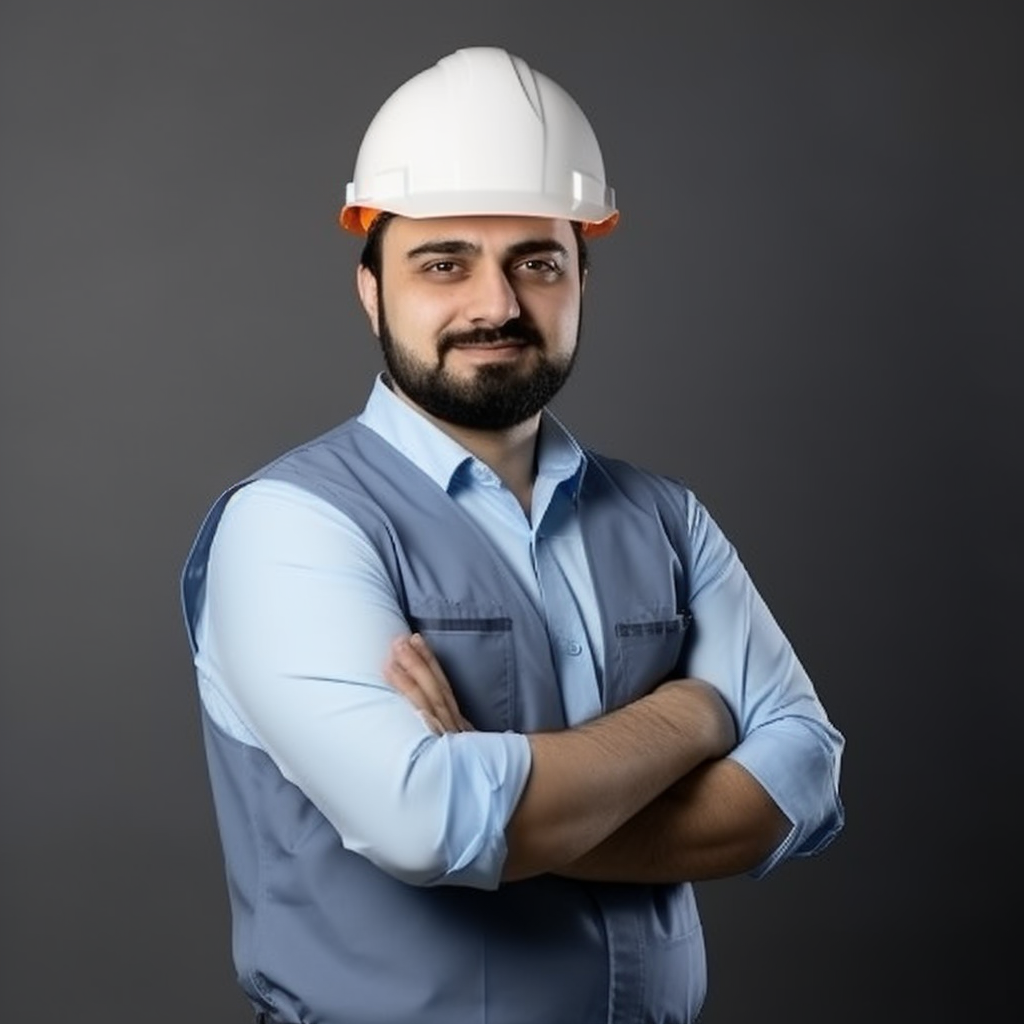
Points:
(493, 300)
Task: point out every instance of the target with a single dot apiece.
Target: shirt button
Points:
(574, 648)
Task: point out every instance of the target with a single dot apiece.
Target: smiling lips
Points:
(500, 343)
(506, 348)
(515, 334)
(503, 346)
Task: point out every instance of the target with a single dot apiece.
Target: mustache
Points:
(516, 331)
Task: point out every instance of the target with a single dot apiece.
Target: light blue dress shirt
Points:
(299, 616)
(298, 620)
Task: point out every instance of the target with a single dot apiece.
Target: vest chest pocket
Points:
(649, 651)
(477, 657)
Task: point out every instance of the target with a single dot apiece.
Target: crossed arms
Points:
(691, 781)
(639, 795)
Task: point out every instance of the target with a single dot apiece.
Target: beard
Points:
(497, 396)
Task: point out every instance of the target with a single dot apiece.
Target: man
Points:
(480, 705)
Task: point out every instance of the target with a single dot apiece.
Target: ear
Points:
(366, 284)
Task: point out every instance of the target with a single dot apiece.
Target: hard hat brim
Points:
(357, 219)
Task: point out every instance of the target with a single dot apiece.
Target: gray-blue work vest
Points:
(322, 935)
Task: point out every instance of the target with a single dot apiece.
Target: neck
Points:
(510, 453)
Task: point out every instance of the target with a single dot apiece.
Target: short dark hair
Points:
(370, 256)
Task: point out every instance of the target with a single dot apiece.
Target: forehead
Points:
(492, 235)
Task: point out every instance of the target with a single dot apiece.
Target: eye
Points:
(536, 266)
(442, 270)
(441, 267)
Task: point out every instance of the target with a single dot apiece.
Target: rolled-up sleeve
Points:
(298, 619)
(787, 741)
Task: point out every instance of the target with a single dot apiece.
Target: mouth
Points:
(506, 340)
(503, 349)
(486, 346)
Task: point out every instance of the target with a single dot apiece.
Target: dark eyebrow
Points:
(532, 246)
(442, 247)
(458, 247)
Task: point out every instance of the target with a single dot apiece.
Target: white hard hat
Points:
(480, 133)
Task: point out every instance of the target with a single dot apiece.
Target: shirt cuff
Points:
(799, 769)
(489, 771)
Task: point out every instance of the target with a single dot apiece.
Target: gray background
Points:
(812, 312)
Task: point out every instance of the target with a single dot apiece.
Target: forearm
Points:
(715, 822)
(585, 784)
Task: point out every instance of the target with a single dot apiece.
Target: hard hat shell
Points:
(480, 133)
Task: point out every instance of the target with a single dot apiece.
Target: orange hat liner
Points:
(358, 219)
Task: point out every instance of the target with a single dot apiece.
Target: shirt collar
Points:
(559, 457)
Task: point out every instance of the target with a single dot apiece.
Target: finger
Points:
(422, 648)
(406, 685)
(432, 723)
(403, 682)
(420, 662)
(433, 693)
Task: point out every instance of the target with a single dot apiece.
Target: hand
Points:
(414, 672)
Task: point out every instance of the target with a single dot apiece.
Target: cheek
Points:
(572, 323)
(562, 325)
(414, 319)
